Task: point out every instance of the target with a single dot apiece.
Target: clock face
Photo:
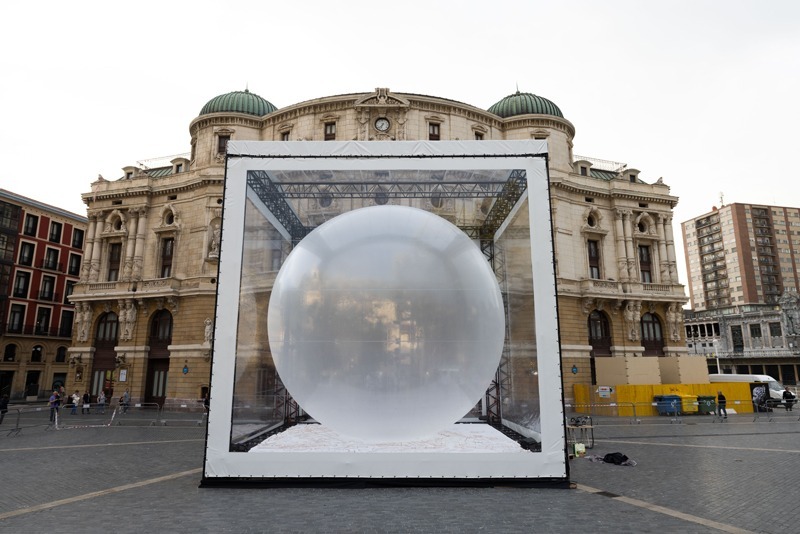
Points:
(382, 124)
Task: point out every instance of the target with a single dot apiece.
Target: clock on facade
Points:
(382, 124)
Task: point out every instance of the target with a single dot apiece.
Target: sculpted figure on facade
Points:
(213, 247)
(85, 313)
(674, 321)
(632, 318)
(209, 330)
(127, 317)
(790, 309)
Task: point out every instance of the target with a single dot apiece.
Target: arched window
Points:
(61, 354)
(652, 337)
(10, 353)
(161, 327)
(37, 354)
(599, 334)
(107, 328)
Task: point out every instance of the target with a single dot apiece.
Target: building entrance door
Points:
(156, 387)
(6, 379)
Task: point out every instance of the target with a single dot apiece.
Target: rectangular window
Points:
(178, 168)
(114, 257)
(222, 143)
(755, 330)
(645, 265)
(330, 131)
(21, 283)
(55, 232)
(51, 260)
(7, 244)
(15, 318)
(593, 249)
(775, 330)
(69, 288)
(285, 136)
(26, 251)
(584, 170)
(9, 216)
(48, 288)
(478, 136)
(433, 131)
(167, 246)
(77, 238)
(737, 339)
(31, 224)
(65, 326)
(43, 322)
(74, 267)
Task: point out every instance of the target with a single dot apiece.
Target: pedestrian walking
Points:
(788, 399)
(87, 403)
(721, 405)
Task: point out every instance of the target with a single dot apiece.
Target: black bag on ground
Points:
(616, 458)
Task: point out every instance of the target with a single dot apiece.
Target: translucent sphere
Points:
(386, 323)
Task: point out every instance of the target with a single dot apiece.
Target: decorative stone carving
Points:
(208, 330)
(632, 317)
(214, 240)
(674, 316)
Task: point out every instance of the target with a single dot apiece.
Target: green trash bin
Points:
(706, 404)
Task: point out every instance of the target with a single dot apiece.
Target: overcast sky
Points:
(701, 93)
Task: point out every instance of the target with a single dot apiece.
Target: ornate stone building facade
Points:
(146, 296)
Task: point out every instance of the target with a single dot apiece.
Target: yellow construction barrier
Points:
(626, 396)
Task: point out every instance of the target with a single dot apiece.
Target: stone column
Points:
(87, 252)
(129, 246)
(136, 273)
(670, 247)
(94, 267)
(622, 262)
(630, 255)
(666, 276)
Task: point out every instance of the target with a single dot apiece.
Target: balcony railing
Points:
(51, 266)
(35, 330)
(49, 296)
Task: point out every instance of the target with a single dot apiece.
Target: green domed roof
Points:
(524, 104)
(238, 102)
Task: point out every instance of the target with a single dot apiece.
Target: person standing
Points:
(76, 399)
(722, 405)
(125, 400)
(101, 401)
(55, 402)
(87, 403)
(3, 407)
(788, 399)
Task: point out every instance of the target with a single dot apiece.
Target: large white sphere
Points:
(386, 323)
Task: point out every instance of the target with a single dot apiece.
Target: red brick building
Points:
(41, 254)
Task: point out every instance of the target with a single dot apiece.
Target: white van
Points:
(773, 387)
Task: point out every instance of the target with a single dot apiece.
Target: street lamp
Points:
(716, 356)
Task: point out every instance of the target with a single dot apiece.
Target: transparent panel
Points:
(386, 310)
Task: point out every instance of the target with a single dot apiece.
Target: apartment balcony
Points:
(49, 296)
(38, 331)
(51, 266)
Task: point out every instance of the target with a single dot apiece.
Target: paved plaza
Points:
(692, 475)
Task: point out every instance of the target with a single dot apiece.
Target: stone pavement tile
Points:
(180, 506)
(735, 474)
(723, 473)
